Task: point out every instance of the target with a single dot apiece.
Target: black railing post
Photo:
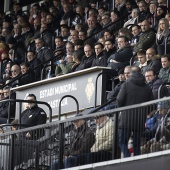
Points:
(12, 156)
(37, 157)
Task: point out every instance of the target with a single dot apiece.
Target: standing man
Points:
(133, 91)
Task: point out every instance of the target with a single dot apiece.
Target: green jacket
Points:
(146, 40)
(164, 74)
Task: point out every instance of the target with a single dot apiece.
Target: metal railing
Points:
(62, 140)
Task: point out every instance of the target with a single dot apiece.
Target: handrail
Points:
(160, 88)
(42, 71)
(59, 114)
(28, 101)
(131, 59)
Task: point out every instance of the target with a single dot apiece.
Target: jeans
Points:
(124, 135)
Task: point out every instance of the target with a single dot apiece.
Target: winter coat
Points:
(164, 74)
(122, 56)
(100, 60)
(146, 40)
(82, 141)
(154, 85)
(134, 91)
(104, 137)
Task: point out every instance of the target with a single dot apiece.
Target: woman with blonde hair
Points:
(162, 36)
(3, 48)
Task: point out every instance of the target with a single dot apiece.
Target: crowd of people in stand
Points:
(131, 38)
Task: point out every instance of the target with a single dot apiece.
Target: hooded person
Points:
(133, 91)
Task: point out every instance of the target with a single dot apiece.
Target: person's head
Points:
(107, 34)
(121, 75)
(1, 94)
(141, 55)
(69, 57)
(109, 44)
(135, 12)
(30, 55)
(136, 29)
(82, 34)
(100, 119)
(78, 123)
(44, 27)
(53, 10)
(58, 41)
(39, 43)
(134, 69)
(31, 97)
(74, 35)
(163, 107)
(150, 53)
(142, 6)
(66, 8)
(162, 2)
(122, 42)
(69, 47)
(79, 27)
(21, 20)
(15, 70)
(92, 21)
(6, 91)
(49, 18)
(145, 26)
(150, 75)
(163, 25)
(98, 47)
(152, 8)
(93, 12)
(17, 7)
(101, 40)
(165, 60)
(77, 56)
(106, 18)
(64, 31)
(35, 8)
(78, 44)
(4, 55)
(11, 41)
(114, 15)
(127, 72)
(88, 50)
(80, 10)
(17, 29)
(101, 10)
(160, 10)
(24, 68)
(2, 46)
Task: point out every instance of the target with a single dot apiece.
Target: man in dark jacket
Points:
(133, 91)
(83, 140)
(101, 59)
(154, 82)
(123, 55)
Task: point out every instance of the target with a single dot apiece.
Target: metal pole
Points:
(12, 156)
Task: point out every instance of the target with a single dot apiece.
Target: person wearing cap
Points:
(83, 139)
(133, 91)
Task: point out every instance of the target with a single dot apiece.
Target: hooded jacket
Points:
(134, 91)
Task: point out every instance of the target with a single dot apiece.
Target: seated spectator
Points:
(142, 62)
(3, 48)
(77, 56)
(65, 66)
(109, 46)
(154, 82)
(65, 33)
(81, 143)
(7, 107)
(162, 34)
(43, 53)
(101, 58)
(28, 78)
(122, 56)
(164, 73)
(33, 62)
(136, 32)
(134, 19)
(153, 60)
(153, 125)
(147, 39)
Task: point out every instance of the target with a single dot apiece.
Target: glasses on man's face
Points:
(1, 94)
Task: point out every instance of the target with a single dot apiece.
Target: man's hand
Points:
(28, 135)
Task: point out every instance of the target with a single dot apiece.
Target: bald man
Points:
(147, 39)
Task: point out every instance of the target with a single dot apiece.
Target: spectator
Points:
(33, 116)
(153, 60)
(59, 43)
(147, 39)
(69, 47)
(164, 72)
(33, 62)
(82, 34)
(3, 48)
(123, 55)
(7, 107)
(74, 36)
(82, 142)
(162, 34)
(107, 34)
(154, 82)
(101, 58)
(64, 66)
(133, 91)
(136, 32)
(43, 53)
(65, 33)
(127, 72)
(142, 62)
(110, 48)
